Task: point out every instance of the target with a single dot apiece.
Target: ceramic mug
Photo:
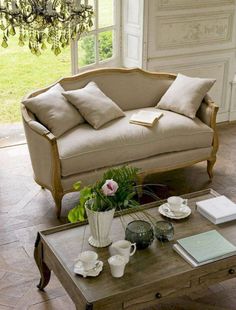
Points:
(88, 259)
(176, 203)
(124, 248)
(117, 265)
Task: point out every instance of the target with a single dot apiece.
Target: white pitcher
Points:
(124, 248)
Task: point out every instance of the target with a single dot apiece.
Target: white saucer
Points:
(165, 210)
(94, 272)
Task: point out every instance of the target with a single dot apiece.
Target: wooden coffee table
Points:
(152, 274)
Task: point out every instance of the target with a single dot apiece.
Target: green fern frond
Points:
(125, 176)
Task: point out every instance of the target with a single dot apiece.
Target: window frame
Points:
(115, 59)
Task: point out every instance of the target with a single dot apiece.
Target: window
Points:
(99, 47)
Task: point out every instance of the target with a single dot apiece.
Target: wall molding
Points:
(193, 30)
(190, 4)
(232, 115)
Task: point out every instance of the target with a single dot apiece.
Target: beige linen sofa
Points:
(83, 153)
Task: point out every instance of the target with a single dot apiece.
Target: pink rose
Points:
(110, 187)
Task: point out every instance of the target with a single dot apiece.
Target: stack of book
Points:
(145, 118)
(204, 248)
(217, 210)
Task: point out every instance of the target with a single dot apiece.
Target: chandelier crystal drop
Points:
(44, 22)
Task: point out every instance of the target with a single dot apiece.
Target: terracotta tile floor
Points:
(25, 209)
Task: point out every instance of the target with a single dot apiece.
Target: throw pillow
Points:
(94, 105)
(54, 111)
(185, 95)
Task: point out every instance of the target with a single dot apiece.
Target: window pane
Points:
(105, 41)
(105, 13)
(86, 49)
(92, 3)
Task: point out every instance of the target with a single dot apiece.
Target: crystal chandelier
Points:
(44, 22)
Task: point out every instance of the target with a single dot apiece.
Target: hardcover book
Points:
(192, 261)
(145, 118)
(217, 210)
(205, 247)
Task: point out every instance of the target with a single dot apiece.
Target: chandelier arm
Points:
(26, 17)
(35, 6)
(5, 11)
(33, 3)
(72, 15)
(69, 18)
(54, 5)
(64, 20)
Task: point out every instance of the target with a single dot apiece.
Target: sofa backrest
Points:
(129, 88)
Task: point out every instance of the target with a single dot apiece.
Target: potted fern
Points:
(114, 192)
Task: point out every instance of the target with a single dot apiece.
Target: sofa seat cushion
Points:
(84, 148)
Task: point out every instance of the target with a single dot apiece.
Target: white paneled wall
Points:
(194, 37)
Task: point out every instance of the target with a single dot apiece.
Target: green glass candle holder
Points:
(139, 232)
(164, 231)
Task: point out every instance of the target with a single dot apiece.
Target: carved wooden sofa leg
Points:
(210, 165)
(139, 184)
(58, 202)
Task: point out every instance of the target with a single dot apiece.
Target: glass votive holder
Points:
(164, 231)
(139, 232)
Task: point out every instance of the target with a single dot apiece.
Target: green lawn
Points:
(21, 72)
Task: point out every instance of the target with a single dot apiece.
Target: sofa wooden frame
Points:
(56, 187)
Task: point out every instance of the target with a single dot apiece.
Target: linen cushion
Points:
(82, 150)
(94, 105)
(54, 111)
(185, 95)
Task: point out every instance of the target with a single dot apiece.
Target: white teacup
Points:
(117, 265)
(88, 259)
(176, 203)
(124, 248)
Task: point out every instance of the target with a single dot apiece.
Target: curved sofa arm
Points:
(207, 114)
(39, 128)
(43, 151)
(208, 111)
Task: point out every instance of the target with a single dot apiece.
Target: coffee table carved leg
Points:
(45, 272)
(89, 306)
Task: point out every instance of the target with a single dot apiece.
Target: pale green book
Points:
(206, 246)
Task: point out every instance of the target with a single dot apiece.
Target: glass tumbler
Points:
(164, 231)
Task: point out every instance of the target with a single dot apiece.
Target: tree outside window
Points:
(99, 45)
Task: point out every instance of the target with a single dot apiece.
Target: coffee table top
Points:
(158, 263)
